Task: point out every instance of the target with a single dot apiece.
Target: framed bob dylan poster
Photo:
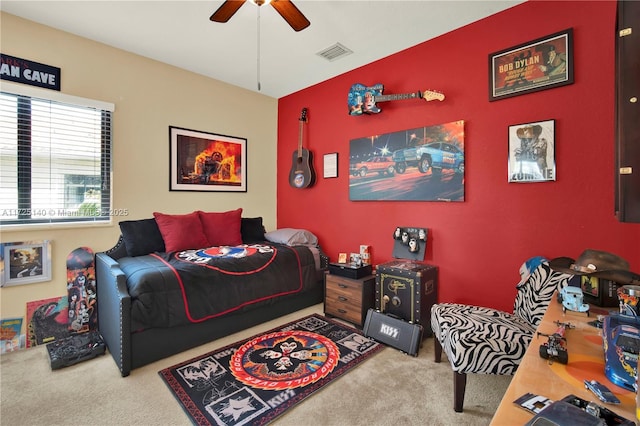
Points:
(537, 65)
(421, 164)
(202, 161)
(25, 262)
(532, 152)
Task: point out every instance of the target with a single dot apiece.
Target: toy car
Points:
(555, 348)
(601, 391)
(435, 156)
(621, 343)
(572, 299)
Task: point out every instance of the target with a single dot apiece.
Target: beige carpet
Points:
(390, 388)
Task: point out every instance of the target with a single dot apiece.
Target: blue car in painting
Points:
(435, 156)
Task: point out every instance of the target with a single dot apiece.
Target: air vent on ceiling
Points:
(334, 52)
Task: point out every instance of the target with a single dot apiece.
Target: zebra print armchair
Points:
(488, 341)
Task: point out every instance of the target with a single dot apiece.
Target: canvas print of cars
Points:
(421, 164)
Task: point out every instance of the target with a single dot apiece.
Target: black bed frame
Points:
(132, 350)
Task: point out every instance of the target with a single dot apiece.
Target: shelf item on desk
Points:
(621, 342)
(533, 403)
(555, 349)
(572, 299)
(601, 391)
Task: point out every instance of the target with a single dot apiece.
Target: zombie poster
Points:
(537, 65)
(532, 152)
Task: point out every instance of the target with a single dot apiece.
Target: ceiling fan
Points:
(285, 8)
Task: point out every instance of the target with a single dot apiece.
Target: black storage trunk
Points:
(407, 290)
(349, 270)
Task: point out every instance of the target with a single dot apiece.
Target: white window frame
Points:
(58, 219)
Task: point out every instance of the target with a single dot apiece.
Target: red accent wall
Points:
(478, 244)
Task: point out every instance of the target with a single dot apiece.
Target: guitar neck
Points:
(400, 96)
(300, 139)
(302, 120)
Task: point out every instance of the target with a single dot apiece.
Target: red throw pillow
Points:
(222, 229)
(181, 231)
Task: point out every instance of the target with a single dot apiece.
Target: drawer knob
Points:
(342, 286)
(342, 298)
(342, 311)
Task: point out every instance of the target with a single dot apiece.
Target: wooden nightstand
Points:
(347, 298)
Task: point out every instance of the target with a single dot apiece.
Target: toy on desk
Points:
(601, 391)
(628, 297)
(602, 414)
(621, 342)
(554, 349)
(572, 299)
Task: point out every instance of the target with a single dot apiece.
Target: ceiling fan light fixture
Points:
(259, 2)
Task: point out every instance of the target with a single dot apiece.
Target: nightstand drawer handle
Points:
(342, 311)
(342, 298)
(342, 285)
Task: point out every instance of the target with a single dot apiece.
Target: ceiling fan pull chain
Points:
(258, 60)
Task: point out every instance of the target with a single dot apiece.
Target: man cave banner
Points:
(421, 164)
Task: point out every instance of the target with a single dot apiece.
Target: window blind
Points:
(55, 159)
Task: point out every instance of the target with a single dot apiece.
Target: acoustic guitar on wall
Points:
(302, 174)
(362, 99)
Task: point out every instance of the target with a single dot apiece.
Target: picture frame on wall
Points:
(203, 161)
(540, 64)
(25, 262)
(532, 152)
(330, 165)
(416, 164)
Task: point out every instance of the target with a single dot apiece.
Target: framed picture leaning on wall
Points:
(532, 152)
(25, 262)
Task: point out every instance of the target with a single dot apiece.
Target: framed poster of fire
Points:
(203, 161)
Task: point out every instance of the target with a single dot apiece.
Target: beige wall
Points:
(149, 97)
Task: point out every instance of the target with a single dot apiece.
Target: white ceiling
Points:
(180, 33)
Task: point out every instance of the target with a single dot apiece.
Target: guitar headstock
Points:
(430, 95)
(303, 115)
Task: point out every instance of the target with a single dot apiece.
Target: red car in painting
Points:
(380, 164)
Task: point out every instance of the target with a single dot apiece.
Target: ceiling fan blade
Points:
(291, 14)
(227, 10)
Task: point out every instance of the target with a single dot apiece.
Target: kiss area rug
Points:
(254, 381)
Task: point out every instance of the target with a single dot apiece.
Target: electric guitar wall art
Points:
(302, 174)
(362, 99)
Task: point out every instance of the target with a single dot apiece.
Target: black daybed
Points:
(157, 298)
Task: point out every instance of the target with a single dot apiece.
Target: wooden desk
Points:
(555, 381)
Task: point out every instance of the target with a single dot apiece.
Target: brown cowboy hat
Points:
(599, 264)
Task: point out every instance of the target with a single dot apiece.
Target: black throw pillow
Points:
(252, 229)
(141, 237)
